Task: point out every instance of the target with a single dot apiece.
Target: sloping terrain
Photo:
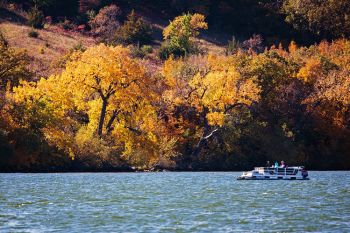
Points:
(51, 44)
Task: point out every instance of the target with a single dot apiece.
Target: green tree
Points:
(35, 17)
(135, 30)
(180, 34)
(326, 18)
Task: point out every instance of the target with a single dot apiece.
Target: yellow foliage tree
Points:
(185, 27)
(213, 91)
(110, 90)
(109, 77)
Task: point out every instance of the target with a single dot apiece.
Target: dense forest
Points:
(176, 85)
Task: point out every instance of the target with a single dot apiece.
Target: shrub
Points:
(90, 14)
(254, 44)
(41, 50)
(67, 24)
(106, 22)
(33, 34)
(78, 47)
(3, 42)
(233, 46)
(167, 49)
(137, 51)
(35, 18)
(147, 49)
(134, 31)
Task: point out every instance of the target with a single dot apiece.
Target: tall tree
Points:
(213, 93)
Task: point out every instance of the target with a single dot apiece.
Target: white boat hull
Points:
(272, 178)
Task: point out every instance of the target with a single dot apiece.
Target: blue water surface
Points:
(173, 202)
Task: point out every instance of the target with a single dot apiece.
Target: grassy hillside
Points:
(45, 50)
(54, 42)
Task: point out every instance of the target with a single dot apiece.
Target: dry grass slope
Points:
(46, 50)
(53, 42)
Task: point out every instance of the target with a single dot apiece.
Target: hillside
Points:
(54, 42)
(46, 50)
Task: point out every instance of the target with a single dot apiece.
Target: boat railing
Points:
(278, 170)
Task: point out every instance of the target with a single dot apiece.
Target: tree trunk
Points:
(208, 133)
(102, 117)
(110, 122)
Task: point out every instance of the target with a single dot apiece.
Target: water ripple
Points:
(172, 202)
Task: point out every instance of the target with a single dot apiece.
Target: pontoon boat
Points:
(272, 173)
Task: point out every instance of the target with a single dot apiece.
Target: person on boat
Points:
(268, 164)
(276, 164)
(283, 165)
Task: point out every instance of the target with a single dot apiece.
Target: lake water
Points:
(173, 202)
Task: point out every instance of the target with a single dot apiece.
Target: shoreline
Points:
(143, 171)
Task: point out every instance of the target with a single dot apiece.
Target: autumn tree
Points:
(105, 103)
(213, 92)
(326, 71)
(106, 22)
(180, 34)
(300, 101)
(13, 65)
